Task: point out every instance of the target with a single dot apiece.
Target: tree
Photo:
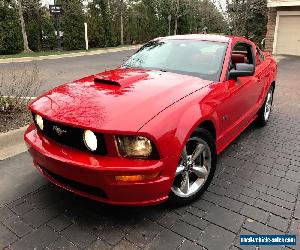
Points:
(206, 16)
(144, 21)
(113, 22)
(248, 18)
(11, 41)
(24, 34)
(104, 27)
(121, 21)
(193, 16)
(73, 24)
(95, 27)
(105, 12)
(177, 9)
(32, 13)
(48, 35)
(176, 15)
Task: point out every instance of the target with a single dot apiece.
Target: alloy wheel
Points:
(193, 169)
(268, 105)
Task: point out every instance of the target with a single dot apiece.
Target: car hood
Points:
(117, 100)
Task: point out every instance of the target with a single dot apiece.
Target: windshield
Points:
(203, 59)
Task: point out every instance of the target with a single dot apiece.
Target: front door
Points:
(239, 106)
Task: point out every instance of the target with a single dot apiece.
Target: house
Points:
(283, 30)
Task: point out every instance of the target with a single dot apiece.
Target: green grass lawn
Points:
(53, 52)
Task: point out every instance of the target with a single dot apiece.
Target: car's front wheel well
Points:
(209, 126)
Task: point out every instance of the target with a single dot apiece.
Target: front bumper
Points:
(93, 176)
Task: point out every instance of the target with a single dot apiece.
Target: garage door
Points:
(288, 35)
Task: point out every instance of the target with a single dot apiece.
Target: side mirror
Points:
(242, 69)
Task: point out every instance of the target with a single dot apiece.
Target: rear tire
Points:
(265, 111)
(195, 169)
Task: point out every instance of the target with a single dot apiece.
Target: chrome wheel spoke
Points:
(200, 171)
(185, 184)
(179, 170)
(196, 185)
(184, 156)
(198, 151)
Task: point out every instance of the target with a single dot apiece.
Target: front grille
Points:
(98, 192)
(71, 136)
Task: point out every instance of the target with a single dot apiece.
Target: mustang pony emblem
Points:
(59, 131)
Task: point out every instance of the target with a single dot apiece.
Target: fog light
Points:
(129, 178)
(90, 140)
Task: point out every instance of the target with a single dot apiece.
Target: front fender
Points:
(270, 79)
(173, 126)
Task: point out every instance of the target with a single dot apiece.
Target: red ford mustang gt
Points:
(152, 129)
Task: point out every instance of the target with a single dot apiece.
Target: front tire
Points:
(195, 169)
(265, 111)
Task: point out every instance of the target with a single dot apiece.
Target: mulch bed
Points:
(15, 119)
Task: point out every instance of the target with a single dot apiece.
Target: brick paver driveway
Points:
(255, 190)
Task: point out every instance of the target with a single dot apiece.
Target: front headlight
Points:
(90, 140)
(39, 121)
(134, 146)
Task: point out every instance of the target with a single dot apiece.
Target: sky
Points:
(47, 2)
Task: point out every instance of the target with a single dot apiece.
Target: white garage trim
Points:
(281, 13)
(285, 3)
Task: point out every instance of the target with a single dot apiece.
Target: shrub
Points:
(48, 35)
(16, 84)
(34, 36)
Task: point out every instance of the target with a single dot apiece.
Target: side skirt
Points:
(220, 149)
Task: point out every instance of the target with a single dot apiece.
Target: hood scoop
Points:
(106, 81)
(120, 77)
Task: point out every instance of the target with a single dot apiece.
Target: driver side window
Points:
(242, 53)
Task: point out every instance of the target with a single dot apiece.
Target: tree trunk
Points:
(121, 22)
(169, 24)
(176, 26)
(25, 40)
(104, 8)
(176, 16)
(40, 45)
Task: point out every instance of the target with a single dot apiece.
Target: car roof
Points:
(201, 37)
